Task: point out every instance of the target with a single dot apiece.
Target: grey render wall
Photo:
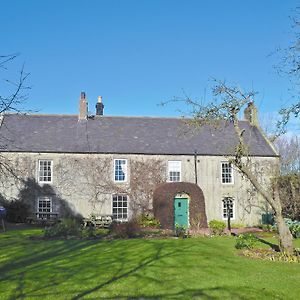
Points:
(85, 181)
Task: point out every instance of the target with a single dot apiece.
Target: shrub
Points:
(247, 240)
(92, 232)
(88, 232)
(289, 188)
(146, 220)
(181, 231)
(217, 227)
(66, 227)
(237, 225)
(16, 211)
(124, 230)
(267, 254)
(267, 227)
(294, 227)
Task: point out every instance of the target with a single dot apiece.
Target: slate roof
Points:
(123, 135)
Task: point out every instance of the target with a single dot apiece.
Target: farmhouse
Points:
(122, 166)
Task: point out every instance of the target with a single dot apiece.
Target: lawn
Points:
(195, 268)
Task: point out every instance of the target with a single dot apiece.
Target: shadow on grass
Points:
(273, 246)
(143, 263)
(219, 292)
(121, 269)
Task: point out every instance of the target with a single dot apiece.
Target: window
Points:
(120, 169)
(44, 207)
(45, 171)
(228, 208)
(227, 172)
(120, 207)
(174, 170)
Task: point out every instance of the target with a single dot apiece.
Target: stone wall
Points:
(85, 182)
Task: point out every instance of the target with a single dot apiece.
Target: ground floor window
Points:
(44, 207)
(120, 207)
(228, 208)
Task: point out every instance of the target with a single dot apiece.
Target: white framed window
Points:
(120, 170)
(174, 170)
(120, 207)
(45, 171)
(226, 172)
(228, 207)
(44, 207)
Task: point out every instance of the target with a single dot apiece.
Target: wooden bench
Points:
(100, 221)
(43, 218)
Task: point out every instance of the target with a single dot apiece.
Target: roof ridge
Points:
(39, 115)
(96, 116)
(105, 117)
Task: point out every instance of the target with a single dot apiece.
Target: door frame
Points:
(183, 196)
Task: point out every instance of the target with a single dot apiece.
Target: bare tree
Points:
(289, 65)
(289, 180)
(289, 150)
(289, 191)
(225, 109)
(13, 90)
(12, 87)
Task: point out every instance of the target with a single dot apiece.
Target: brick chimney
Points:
(83, 107)
(251, 114)
(99, 107)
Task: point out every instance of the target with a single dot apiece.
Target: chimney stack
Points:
(83, 107)
(251, 115)
(99, 107)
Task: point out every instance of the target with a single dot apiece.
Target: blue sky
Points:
(139, 53)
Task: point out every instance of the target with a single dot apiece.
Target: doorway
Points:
(181, 212)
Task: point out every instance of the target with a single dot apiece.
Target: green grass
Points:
(198, 268)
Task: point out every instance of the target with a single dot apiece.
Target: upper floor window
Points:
(227, 172)
(174, 170)
(120, 207)
(45, 171)
(120, 169)
(228, 208)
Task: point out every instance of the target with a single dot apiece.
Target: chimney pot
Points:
(99, 107)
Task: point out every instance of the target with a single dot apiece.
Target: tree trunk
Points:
(284, 235)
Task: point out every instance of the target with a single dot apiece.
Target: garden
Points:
(108, 264)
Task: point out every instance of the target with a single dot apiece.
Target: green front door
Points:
(181, 208)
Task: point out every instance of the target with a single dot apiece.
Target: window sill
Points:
(44, 182)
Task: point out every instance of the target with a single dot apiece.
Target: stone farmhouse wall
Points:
(84, 183)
